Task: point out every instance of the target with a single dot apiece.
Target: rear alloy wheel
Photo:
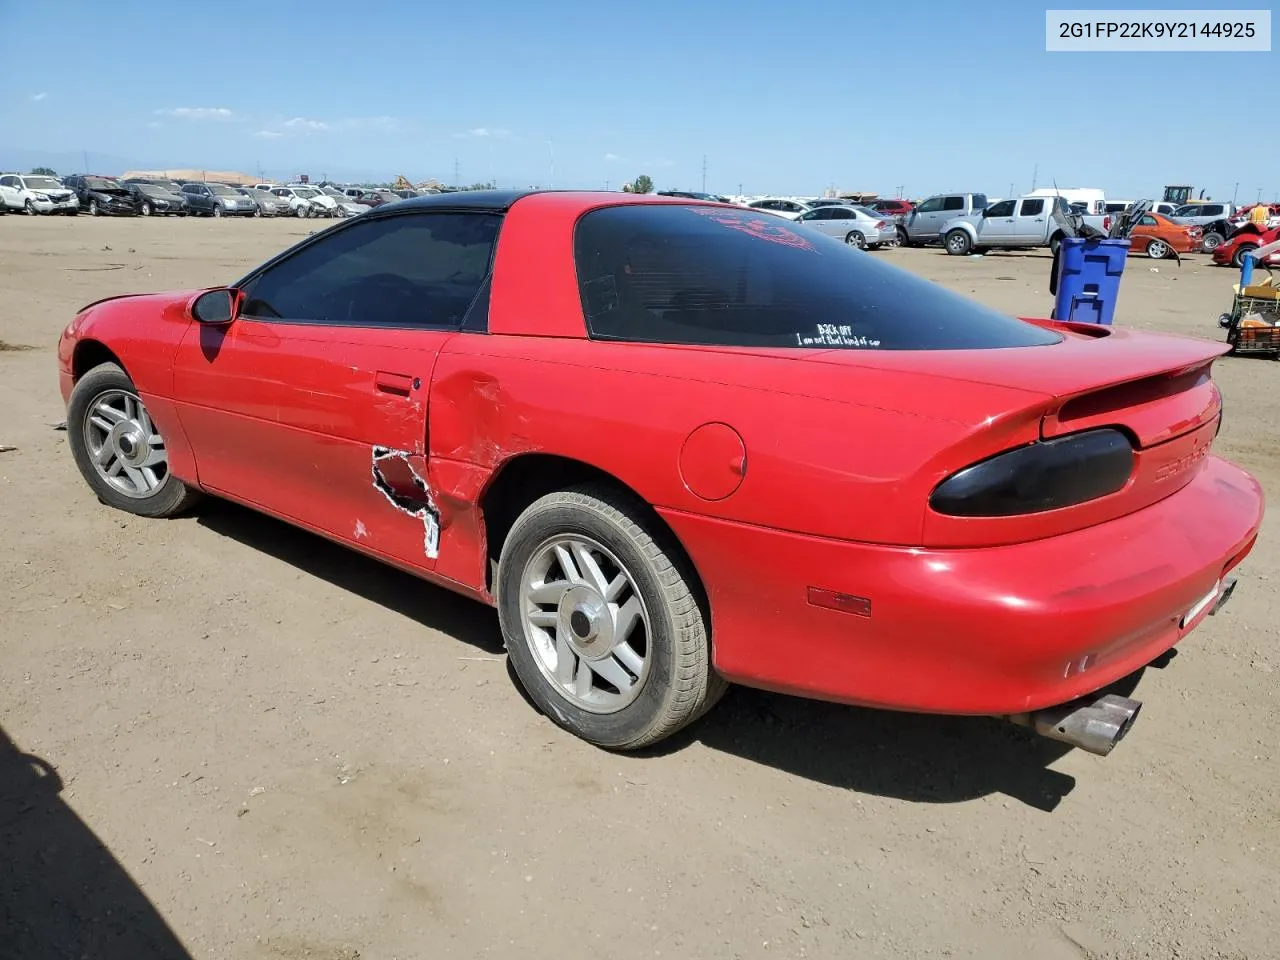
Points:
(1157, 249)
(119, 450)
(958, 243)
(1237, 258)
(601, 620)
(856, 239)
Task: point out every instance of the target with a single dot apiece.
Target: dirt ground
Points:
(224, 738)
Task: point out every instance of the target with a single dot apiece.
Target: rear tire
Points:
(169, 498)
(676, 684)
(1157, 249)
(856, 239)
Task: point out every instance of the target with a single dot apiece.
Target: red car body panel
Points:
(387, 440)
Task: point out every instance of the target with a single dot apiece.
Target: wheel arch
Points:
(90, 353)
(523, 478)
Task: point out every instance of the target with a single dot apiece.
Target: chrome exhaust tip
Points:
(1095, 724)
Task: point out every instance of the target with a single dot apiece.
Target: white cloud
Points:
(269, 134)
(611, 157)
(37, 97)
(154, 124)
(302, 123)
(197, 113)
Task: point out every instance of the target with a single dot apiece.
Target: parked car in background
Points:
(1089, 201)
(1035, 220)
(101, 196)
(268, 204)
(924, 223)
(217, 200)
(998, 530)
(36, 193)
(343, 205)
(327, 206)
(1246, 240)
(301, 201)
(689, 195)
(376, 197)
(781, 206)
(856, 226)
(895, 208)
(154, 200)
(1213, 219)
(1157, 236)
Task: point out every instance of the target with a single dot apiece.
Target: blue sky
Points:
(779, 97)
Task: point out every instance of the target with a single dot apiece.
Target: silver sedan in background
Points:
(856, 226)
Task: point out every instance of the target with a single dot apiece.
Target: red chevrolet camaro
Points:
(679, 444)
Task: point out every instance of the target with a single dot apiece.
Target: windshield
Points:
(330, 192)
(102, 183)
(42, 183)
(718, 277)
(151, 190)
(304, 192)
(218, 190)
(873, 214)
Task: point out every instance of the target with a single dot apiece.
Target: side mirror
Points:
(216, 306)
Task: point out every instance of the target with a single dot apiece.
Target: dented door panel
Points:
(304, 420)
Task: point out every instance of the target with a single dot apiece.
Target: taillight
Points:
(1046, 475)
(1106, 222)
(885, 224)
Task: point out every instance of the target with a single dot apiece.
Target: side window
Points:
(979, 201)
(188, 188)
(953, 203)
(842, 213)
(1032, 208)
(1002, 209)
(1149, 221)
(932, 205)
(1212, 210)
(413, 270)
(8, 181)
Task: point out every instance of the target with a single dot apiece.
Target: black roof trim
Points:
(496, 200)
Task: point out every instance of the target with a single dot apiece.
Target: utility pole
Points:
(1259, 195)
(1034, 174)
(86, 161)
(900, 191)
(455, 171)
(552, 145)
(739, 189)
(1235, 193)
(606, 186)
(704, 173)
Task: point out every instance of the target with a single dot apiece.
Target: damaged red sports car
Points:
(681, 444)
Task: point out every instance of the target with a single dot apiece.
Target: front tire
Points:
(1237, 257)
(958, 243)
(93, 208)
(119, 450)
(30, 208)
(146, 210)
(217, 212)
(601, 620)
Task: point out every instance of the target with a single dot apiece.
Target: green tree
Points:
(642, 184)
(43, 172)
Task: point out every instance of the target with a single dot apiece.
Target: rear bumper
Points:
(997, 630)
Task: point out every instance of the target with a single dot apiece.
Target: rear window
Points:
(717, 277)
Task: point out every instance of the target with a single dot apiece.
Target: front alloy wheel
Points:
(601, 620)
(118, 448)
(93, 208)
(958, 243)
(30, 207)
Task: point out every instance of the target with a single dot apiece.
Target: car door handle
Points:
(397, 383)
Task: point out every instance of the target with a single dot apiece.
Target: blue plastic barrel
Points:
(1246, 271)
(1089, 279)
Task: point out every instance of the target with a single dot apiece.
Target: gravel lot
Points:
(253, 744)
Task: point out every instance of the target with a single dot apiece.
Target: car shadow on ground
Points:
(62, 894)
(905, 756)
(432, 606)
(913, 757)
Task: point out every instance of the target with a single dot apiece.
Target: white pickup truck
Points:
(1008, 224)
